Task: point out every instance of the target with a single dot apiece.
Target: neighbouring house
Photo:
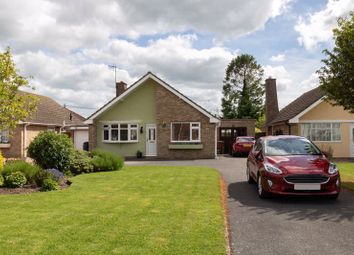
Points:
(229, 129)
(49, 115)
(155, 119)
(329, 127)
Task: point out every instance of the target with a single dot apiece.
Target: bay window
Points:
(185, 132)
(321, 132)
(120, 132)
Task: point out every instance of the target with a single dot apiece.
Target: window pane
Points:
(133, 135)
(195, 124)
(4, 136)
(180, 131)
(124, 135)
(133, 125)
(105, 135)
(123, 126)
(195, 134)
(105, 126)
(114, 135)
(114, 125)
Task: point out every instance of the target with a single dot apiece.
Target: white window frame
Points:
(131, 126)
(191, 128)
(331, 131)
(6, 133)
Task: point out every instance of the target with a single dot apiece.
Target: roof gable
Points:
(139, 83)
(299, 106)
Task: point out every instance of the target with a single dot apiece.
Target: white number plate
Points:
(307, 186)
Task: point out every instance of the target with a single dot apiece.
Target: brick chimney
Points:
(120, 88)
(272, 108)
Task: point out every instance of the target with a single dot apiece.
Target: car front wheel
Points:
(261, 192)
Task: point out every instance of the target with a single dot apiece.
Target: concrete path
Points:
(281, 226)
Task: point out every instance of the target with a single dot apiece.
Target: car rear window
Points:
(290, 146)
(245, 139)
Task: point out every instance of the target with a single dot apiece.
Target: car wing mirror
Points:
(259, 155)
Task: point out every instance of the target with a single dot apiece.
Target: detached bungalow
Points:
(311, 116)
(153, 118)
(49, 115)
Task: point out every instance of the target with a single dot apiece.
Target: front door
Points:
(351, 149)
(151, 140)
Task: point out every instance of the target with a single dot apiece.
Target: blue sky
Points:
(67, 45)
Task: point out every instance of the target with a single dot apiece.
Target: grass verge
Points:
(347, 174)
(138, 210)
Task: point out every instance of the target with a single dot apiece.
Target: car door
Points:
(252, 158)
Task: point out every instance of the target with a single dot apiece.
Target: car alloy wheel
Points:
(261, 192)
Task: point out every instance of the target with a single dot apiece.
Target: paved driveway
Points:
(280, 225)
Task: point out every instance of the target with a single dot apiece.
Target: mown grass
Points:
(347, 174)
(138, 210)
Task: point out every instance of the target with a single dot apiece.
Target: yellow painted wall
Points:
(325, 112)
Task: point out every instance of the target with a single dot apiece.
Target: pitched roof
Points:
(139, 82)
(50, 112)
(298, 105)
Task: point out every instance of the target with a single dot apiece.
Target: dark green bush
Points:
(43, 175)
(81, 163)
(1, 180)
(49, 184)
(27, 169)
(52, 150)
(15, 180)
(106, 161)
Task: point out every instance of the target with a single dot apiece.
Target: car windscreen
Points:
(245, 139)
(290, 146)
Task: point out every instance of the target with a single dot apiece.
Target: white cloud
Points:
(67, 25)
(317, 27)
(78, 79)
(277, 58)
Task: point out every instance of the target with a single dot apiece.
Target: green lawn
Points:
(347, 174)
(138, 210)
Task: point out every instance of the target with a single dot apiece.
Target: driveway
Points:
(280, 225)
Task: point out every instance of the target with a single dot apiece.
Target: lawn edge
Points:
(227, 229)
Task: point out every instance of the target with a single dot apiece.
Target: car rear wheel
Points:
(261, 192)
(248, 175)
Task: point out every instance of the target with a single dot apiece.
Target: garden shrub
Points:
(1, 180)
(106, 161)
(15, 180)
(49, 184)
(51, 150)
(43, 175)
(81, 163)
(30, 171)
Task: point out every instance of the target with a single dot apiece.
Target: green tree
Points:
(337, 76)
(14, 106)
(242, 90)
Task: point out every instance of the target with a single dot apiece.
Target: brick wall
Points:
(16, 141)
(284, 128)
(170, 108)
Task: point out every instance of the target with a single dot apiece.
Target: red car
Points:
(242, 145)
(291, 165)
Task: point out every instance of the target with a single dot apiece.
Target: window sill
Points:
(120, 142)
(5, 145)
(186, 146)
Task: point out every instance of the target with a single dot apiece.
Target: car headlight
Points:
(332, 169)
(272, 169)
